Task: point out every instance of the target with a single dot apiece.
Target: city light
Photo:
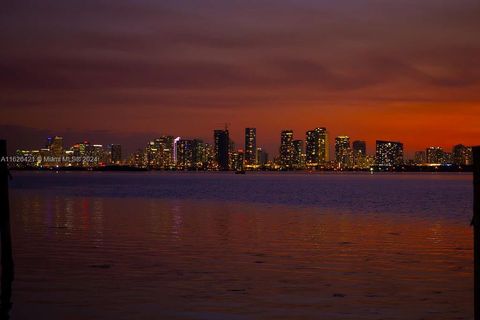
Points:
(170, 153)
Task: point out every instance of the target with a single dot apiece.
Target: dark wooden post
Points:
(476, 230)
(5, 237)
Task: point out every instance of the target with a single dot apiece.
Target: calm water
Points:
(95, 245)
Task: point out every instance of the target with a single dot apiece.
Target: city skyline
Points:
(168, 152)
(329, 146)
(237, 135)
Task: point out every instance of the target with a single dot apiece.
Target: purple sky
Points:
(126, 71)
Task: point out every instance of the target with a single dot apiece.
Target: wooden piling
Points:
(5, 237)
(476, 230)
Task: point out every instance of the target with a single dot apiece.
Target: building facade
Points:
(298, 155)
(250, 151)
(343, 152)
(287, 151)
(388, 153)
(435, 155)
(55, 145)
(185, 154)
(359, 153)
(222, 148)
(316, 147)
(262, 157)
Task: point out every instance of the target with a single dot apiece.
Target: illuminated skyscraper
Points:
(185, 153)
(435, 155)
(175, 149)
(75, 152)
(316, 149)
(165, 151)
(209, 156)
(238, 158)
(262, 157)
(198, 153)
(388, 153)
(298, 153)
(222, 145)
(82, 151)
(161, 152)
(98, 156)
(250, 146)
(151, 155)
(55, 145)
(343, 152)
(286, 149)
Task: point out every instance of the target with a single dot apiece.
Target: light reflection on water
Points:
(97, 255)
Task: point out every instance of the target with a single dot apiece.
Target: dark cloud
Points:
(107, 74)
(274, 57)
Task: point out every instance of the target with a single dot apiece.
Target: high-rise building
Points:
(287, 151)
(316, 149)
(238, 160)
(138, 159)
(98, 156)
(209, 156)
(75, 152)
(151, 155)
(420, 157)
(298, 153)
(262, 157)
(462, 155)
(165, 148)
(175, 140)
(83, 153)
(435, 155)
(115, 154)
(199, 158)
(185, 154)
(222, 146)
(389, 153)
(55, 145)
(161, 152)
(343, 152)
(359, 153)
(250, 146)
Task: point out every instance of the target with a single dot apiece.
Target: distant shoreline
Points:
(374, 169)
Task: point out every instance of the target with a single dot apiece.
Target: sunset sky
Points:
(117, 71)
